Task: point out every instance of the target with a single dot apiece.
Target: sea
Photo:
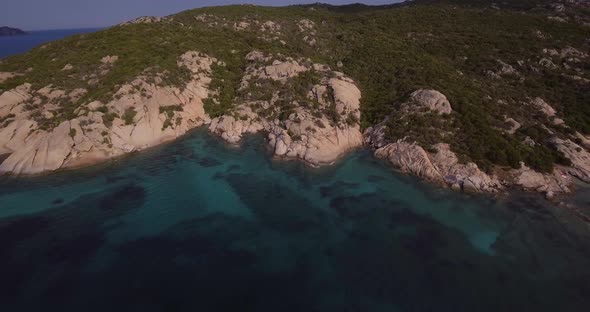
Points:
(199, 225)
(11, 45)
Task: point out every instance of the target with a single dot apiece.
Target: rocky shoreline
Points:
(317, 122)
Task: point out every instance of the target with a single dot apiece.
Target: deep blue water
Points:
(196, 225)
(10, 45)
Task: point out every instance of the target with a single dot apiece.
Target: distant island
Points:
(9, 31)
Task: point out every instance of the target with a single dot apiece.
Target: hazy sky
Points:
(57, 14)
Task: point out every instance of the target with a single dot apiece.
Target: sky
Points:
(62, 14)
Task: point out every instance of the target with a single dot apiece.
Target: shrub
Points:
(108, 118)
(129, 116)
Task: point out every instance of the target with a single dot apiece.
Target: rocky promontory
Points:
(316, 123)
(142, 114)
(439, 164)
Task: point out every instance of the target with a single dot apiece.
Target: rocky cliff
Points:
(142, 114)
(441, 165)
(317, 125)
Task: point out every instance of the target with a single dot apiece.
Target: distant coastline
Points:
(6, 31)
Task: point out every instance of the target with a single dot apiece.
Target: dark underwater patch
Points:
(275, 205)
(208, 162)
(424, 244)
(159, 163)
(126, 198)
(13, 232)
(337, 188)
(185, 150)
(57, 201)
(233, 167)
(364, 205)
(110, 179)
(219, 176)
(77, 249)
(375, 178)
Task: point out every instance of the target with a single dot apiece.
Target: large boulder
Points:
(410, 158)
(431, 100)
(579, 157)
(550, 184)
(40, 152)
(231, 129)
(542, 106)
(282, 70)
(468, 176)
(308, 133)
(5, 76)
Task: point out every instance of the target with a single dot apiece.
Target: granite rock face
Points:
(441, 167)
(543, 107)
(143, 20)
(431, 100)
(317, 127)
(99, 132)
(5, 76)
(579, 157)
(550, 184)
(439, 164)
(306, 133)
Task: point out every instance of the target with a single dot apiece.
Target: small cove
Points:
(198, 225)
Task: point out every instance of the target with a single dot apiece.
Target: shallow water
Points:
(10, 45)
(197, 225)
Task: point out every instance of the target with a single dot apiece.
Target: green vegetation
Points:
(169, 112)
(390, 51)
(108, 119)
(129, 116)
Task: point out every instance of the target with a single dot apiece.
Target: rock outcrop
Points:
(437, 163)
(441, 167)
(302, 132)
(132, 121)
(549, 184)
(430, 100)
(5, 76)
(143, 20)
(579, 157)
(543, 107)
(317, 125)
(410, 158)
(466, 176)
(511, 125)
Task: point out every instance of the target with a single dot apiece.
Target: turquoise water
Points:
(197, 225)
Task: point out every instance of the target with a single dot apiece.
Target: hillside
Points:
(516, 78)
